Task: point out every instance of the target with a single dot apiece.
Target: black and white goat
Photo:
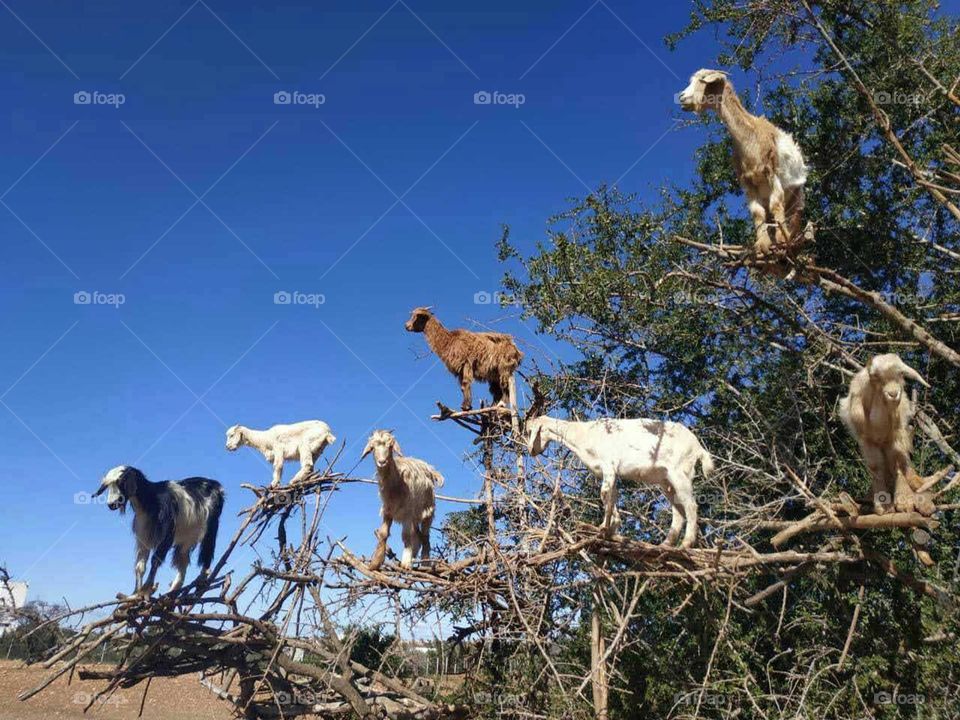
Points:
(167, 514)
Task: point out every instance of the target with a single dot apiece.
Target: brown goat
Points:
(471, 356)
(768, 162)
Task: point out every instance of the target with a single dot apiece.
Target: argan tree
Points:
(673, 318)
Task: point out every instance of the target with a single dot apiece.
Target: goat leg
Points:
(778, 213)
(922, 502)
(877, 465)
(380, 552)
(759, 214)
(899, 468)
(466, 383)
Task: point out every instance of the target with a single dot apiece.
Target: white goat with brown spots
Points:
(648, 452)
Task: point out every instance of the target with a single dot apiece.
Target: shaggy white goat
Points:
(406, 495)
(878, 413)
(303, 440)
(648, 452)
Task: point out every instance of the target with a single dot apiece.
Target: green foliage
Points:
(371, 646)
(25, 641)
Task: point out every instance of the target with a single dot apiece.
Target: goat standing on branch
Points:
(648, 452)
(878, 414)
(168, 514)
(483, 356)
(303, 440)
(769, 165)
(406, 495)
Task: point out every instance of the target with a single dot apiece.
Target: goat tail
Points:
(208, 545)
(707, 466)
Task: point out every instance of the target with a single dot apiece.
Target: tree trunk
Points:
(598, 666)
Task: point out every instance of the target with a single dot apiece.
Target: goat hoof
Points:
(903, 503)
(924, 504)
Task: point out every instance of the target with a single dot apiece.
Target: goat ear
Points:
(913, 374)
(711, 76)
(100, 490)
(367, 450)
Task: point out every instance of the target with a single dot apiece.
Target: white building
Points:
(12, 595)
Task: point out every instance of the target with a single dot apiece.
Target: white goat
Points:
(406, 495)
(303, 440)
(648, 452)
(878, 413)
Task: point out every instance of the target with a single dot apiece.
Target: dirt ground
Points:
(168, 699)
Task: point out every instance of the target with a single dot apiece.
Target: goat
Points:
(303, 440)
(168, 514)
(878, 414)
(485, 356)
(768, 162)
(406, 495)
(648, 452)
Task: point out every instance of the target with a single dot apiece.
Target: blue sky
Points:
(199, 198)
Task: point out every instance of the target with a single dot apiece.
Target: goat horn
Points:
(913, 374)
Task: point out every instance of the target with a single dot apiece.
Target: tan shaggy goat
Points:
(878, 414)
(767, 160)
(471, 356)
(406, 495)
